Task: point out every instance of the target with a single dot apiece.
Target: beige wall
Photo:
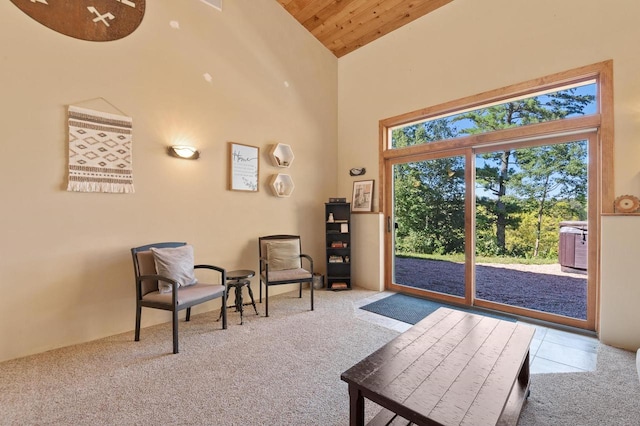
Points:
(468, 47)
(65, 265)
(621, 295)
(65, 269)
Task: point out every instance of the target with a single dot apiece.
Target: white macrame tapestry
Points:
(99, 151)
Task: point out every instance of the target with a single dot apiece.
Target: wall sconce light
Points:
(357, 171)
(183, 151)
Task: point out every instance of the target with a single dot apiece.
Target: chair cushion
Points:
(288, 274)
(189, 294)
(283, 255)
(175, 263)
(147, 267)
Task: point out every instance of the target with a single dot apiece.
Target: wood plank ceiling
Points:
(345, 25)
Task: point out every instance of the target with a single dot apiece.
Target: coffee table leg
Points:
(356, 406)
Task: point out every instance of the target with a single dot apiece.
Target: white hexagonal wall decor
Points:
(282, 185)
(282, 155)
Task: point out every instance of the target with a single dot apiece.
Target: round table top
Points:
(240, 274)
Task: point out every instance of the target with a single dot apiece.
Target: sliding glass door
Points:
(531, 203)
(429, 225)
(494, 200)
(506, 227)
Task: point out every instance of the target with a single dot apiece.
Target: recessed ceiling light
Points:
(175, 25)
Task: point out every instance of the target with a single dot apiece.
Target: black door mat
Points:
(411, 309)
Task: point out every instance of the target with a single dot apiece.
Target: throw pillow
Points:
(283, 255)
(175, 263)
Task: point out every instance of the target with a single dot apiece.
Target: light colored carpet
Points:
(281, 370)
(608, 396)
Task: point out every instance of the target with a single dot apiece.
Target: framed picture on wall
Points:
(362, 200)
(244, 165)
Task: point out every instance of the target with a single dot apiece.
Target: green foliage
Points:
(430, 131)
(429, 195)
(459, 258)
(429, 205)
(522, 193)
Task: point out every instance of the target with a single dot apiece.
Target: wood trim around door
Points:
(596, 128)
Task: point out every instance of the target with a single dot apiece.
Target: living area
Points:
(280, 370)
(250, 74)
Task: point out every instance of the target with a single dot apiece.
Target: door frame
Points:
(598, 126)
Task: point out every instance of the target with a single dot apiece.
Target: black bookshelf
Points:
(338, 245)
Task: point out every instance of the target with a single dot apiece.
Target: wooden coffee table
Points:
(451, 368)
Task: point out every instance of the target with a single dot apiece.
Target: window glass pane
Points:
(429, 225)
(532, 226)
(541, 108)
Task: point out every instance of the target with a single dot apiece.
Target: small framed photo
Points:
(362, 196)
(244, 164)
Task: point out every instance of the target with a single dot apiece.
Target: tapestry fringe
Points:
(100, 187)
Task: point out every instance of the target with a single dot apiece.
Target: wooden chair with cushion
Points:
(281, 263)
(165, 279)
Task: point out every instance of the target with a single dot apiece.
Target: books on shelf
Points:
(338, 246)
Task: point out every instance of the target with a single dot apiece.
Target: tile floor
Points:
(552, 350)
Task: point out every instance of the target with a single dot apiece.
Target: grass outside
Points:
(459, 258)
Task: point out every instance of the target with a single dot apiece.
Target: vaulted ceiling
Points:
(345, 25)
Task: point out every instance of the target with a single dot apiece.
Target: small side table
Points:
(236, 280)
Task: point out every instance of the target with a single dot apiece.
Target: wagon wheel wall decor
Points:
(98, 20)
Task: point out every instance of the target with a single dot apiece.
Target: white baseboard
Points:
(638, 363)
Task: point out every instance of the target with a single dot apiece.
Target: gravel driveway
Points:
(541, 287)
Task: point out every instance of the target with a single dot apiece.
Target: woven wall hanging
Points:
(99, 151)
